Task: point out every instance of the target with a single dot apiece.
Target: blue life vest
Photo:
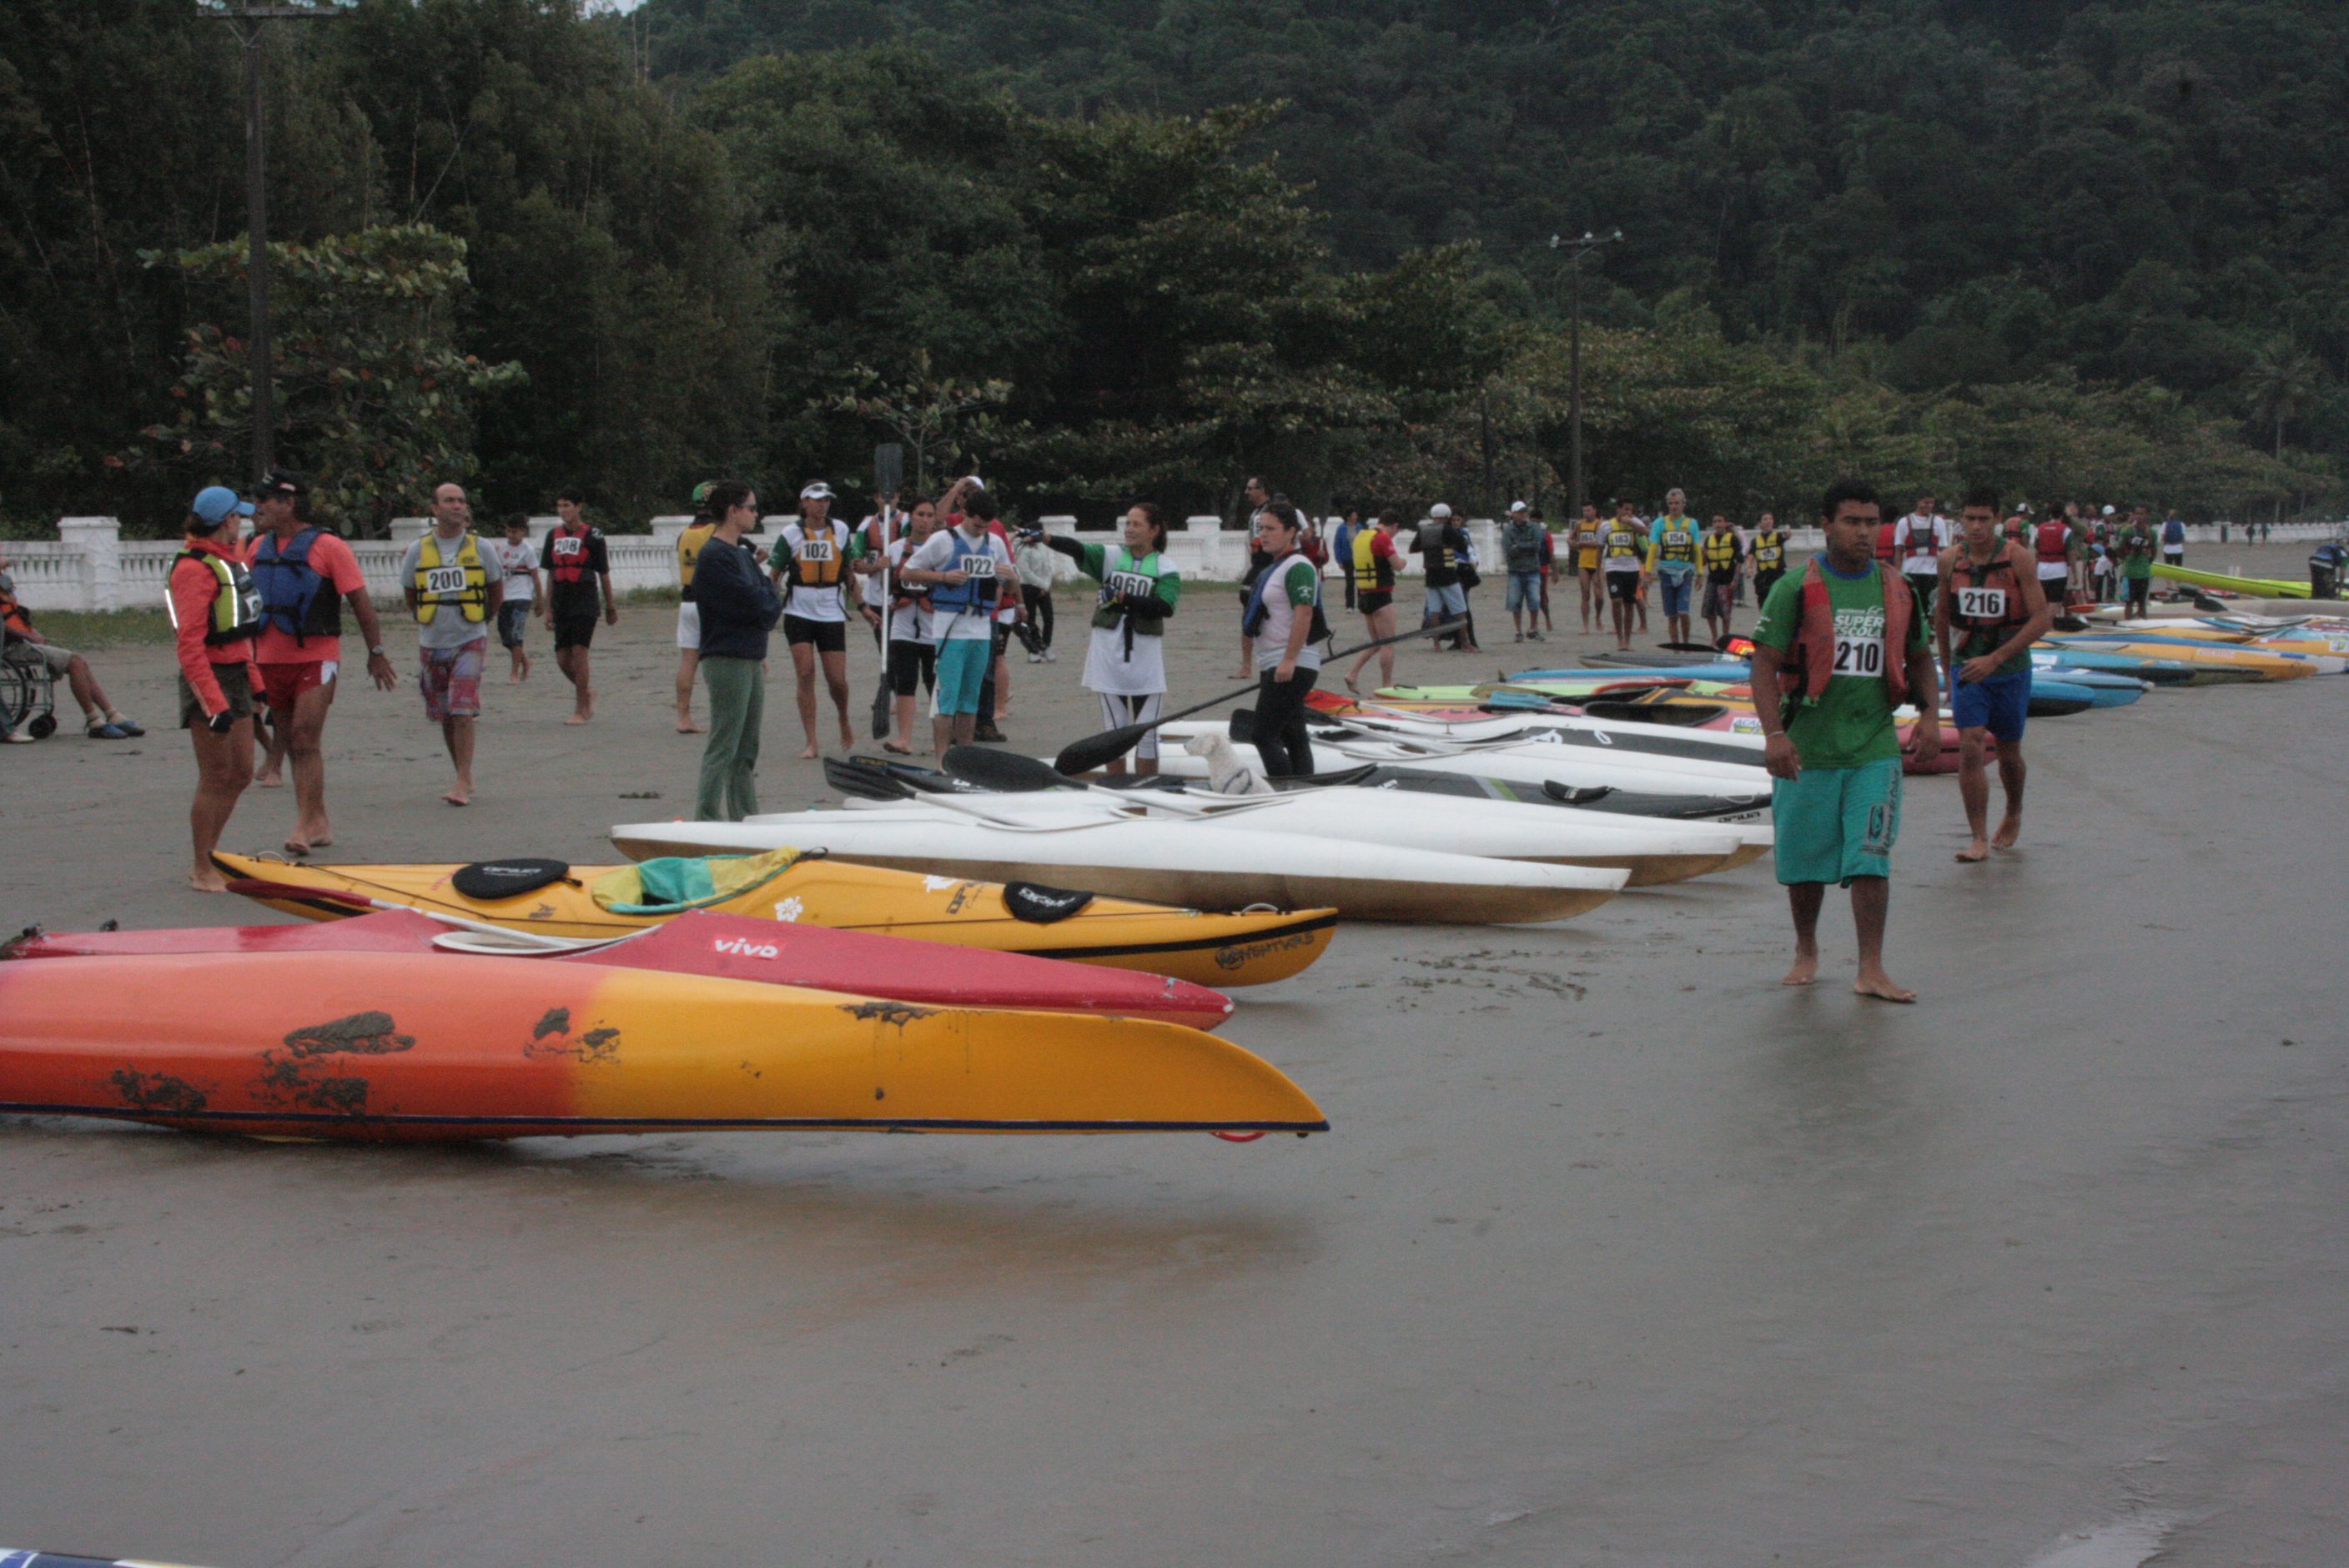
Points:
(2173, 532)
(979, 591)
(296, 597)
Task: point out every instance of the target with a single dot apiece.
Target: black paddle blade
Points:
(865, 778)
(1242, 725)
(1006, 771)
(489, 881)
(1097, 751)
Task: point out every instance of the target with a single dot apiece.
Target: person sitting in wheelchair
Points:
(22, 644)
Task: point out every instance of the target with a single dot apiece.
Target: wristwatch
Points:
(376, 652)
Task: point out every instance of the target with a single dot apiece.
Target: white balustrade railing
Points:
(90, 566)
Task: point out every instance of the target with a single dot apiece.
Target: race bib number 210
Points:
(1859, 657)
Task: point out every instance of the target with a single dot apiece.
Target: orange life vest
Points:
(1809, 663)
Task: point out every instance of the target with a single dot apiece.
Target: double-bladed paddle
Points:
(1095, 751)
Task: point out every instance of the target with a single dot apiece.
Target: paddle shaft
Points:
(1094, 750)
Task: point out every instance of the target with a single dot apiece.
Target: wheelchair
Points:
(28, 692)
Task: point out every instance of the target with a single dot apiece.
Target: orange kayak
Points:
(386, 1046)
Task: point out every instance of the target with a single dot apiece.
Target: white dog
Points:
(1226, 772)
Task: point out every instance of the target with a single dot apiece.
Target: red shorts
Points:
(281, 684)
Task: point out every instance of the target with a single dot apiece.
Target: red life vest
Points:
(1888, 542)
(1997, 573)
(1809, 664)
(568, 551)
(14, 615)
(2054, 539)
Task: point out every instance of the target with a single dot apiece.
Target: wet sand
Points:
(1619, 1252)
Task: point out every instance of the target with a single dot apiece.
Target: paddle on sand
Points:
(1094, 750)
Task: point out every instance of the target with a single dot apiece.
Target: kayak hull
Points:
(716, 946)
(374, 1047)
(1187, 864)
(1252, 948)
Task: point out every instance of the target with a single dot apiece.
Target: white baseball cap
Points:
(1518, 506)
(816, 489)
(1439, 509)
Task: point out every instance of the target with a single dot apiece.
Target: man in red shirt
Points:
(305, 575)
(214, 615)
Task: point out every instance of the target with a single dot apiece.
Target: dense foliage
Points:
(1147, 246)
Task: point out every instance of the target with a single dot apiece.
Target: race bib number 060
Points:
(1983, 603)
(440, 580)
(1859, 657)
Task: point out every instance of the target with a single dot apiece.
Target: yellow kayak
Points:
(1249, 948)
(377, 1045)
(2247, 662)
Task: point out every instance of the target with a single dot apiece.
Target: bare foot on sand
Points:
(578, 719)
(2008, 832)
(899, 750)
(207, 880)
(297, 846)
(1806, 970)
(459, 793)
(1876, 982)
(1977, 850)
(810, 755)
(269, 782)
(847, 739)
(1352, 687)
(687, 727)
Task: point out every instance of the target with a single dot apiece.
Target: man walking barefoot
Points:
(454, 588)
(306, 576)
(579, 587)
(1836, 650)
(1989, 592)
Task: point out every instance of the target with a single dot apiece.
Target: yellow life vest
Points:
(1769, 551)
(1720, 551)
(689, 551)
(1373, 574)
(462, 582)
(1675, 540)
(236, 607)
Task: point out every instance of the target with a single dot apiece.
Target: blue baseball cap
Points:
(214, 503)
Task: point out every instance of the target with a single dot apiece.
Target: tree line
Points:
(2072, 249)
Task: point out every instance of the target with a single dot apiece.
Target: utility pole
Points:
(1574, 251)
(249, 18)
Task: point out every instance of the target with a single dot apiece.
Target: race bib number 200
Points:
(1983, 603)
(440, 580)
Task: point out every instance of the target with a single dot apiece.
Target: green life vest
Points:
(1121, 574)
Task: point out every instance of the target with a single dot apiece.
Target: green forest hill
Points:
(2074, 248)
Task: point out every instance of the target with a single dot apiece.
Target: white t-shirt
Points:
(1916, 559)
(869, 587)
(911, 624)
(1280, 615)
(810, 602)
(520, 563)
(938, 554)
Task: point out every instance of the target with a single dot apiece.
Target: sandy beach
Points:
(1619, 1251)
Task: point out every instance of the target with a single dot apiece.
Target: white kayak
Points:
(1653, 851)
(1608, 734)
(1532, 762)
(1202, 865)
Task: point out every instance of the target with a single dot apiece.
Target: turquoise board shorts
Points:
(962, 672)
(1838, 824)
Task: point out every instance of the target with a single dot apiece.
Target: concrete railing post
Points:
(100, 543)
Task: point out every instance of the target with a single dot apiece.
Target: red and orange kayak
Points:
(386, 1046)
(722, 946)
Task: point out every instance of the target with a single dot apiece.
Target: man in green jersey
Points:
(1989, 594)
(2134, 545)
(1838, 648)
